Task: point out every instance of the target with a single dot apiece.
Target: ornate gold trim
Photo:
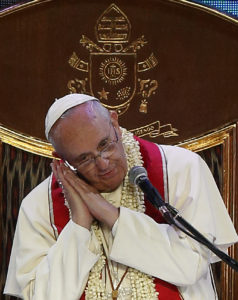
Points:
(24, 142)
(212, 139)
(20, 6)
(209, 10)
(38, 146)
(227, 138)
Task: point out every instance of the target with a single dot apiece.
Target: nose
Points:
(101, 162)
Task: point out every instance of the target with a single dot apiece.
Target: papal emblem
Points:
(113, 78)
(111, 71)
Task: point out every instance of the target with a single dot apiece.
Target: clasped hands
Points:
(85, 202)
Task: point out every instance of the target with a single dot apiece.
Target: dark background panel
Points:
(196, 72)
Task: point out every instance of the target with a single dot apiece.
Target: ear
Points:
(114, 120)
(114, 116)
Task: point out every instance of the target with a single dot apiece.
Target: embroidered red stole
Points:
(155, 164)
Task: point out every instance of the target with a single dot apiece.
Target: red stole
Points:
(155, 164)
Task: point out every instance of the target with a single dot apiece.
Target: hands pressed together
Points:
(85, 202)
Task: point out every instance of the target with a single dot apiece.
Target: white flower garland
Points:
(142, 286)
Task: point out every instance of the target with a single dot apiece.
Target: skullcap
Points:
(61, 105)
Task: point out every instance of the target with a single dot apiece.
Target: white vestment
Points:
(42, 268)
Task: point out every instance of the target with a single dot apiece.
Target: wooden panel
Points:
(194, 63)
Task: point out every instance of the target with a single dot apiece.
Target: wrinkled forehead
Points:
(86, 112)
(85, 115)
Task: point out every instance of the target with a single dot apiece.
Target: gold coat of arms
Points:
(111, 72)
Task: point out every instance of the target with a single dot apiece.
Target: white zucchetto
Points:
(61, 105)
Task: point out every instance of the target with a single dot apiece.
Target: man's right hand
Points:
(85, 201)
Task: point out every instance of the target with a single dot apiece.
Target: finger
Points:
(71, 177)
(68, 179)
(67, 186)
(54, 168)
(62, 176)
(80, 185)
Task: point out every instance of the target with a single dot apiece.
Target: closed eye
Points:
(83, 158)
(103, 144)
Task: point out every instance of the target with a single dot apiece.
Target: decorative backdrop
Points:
(190, 57)
(229, 7)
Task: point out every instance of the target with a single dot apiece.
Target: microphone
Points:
(138, 176)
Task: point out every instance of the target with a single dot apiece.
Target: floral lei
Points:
(142, 286)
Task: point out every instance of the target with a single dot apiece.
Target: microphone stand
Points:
(173, 217)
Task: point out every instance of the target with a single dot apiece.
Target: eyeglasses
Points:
(87, 162)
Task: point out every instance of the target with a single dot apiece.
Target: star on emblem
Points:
(103, 94)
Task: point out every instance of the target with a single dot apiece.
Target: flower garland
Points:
(142, 286)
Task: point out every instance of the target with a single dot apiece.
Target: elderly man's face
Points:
(84, 135)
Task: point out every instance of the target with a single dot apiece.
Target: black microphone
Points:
(138, 176)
